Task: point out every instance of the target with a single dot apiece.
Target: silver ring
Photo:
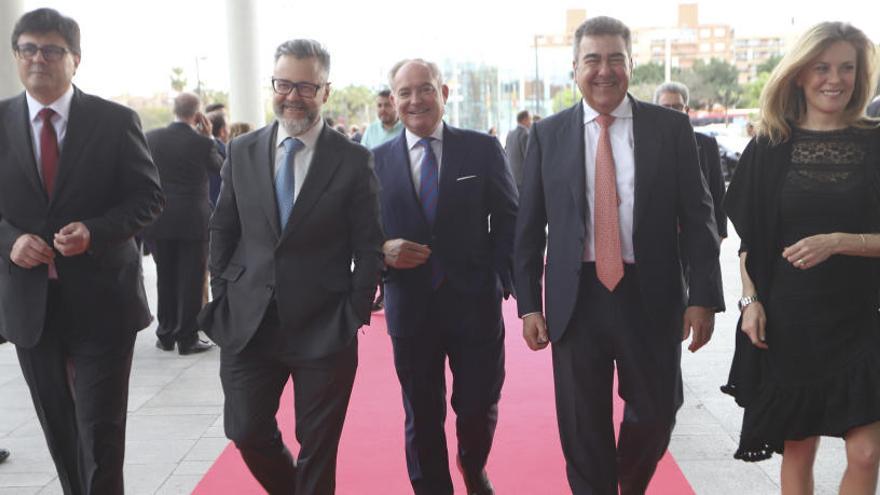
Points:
(801, 262)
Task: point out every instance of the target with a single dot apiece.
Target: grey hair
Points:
(433, 69)
(305, 48)
(602, 26)
(672, 87)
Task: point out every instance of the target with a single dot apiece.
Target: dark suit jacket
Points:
(710, 163)
(472, 238)
(184, 158)
(515, 147)
(106, 180)
(307, 267)
(669, 192)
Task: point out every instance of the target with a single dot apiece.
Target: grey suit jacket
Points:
(106, 180)
(515, 147)
(669, 192)
(305, 267)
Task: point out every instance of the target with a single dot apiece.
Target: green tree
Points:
(351, 104)
(154, 117)
(752, 91)
(711, 83)
(650, 73)
(178, 79)
(769, 64)
(564, 99)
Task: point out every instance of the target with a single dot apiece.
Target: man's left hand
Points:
(702, 320)
(73, 239)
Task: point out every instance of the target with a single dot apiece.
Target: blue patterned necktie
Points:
(284, 180)
(428, 181)
(429, 190)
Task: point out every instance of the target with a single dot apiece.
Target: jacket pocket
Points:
(232, 272)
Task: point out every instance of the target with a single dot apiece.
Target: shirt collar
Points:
(61, 106)
(309, 138)
(623, 111)
(412, 140)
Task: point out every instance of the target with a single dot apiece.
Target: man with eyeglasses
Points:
(76, 184)
(448, 209)
(299, 203)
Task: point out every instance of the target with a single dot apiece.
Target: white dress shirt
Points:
(303, 159)
(61, 106)
(417, 154)
(621, 134)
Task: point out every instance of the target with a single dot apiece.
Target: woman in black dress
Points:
(805, 201)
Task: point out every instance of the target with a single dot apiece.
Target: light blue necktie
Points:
(429, 190)
(284, 180)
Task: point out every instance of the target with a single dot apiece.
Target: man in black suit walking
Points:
(185, 155)
(76, 184)
(515, 147)
(298, 204)
(611, 182)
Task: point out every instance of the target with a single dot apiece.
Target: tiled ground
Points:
(175, 427)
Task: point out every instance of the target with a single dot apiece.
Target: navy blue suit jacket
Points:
(472, 238)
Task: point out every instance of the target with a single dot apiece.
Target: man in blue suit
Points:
(448, 210)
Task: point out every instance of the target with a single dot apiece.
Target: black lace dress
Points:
(821, 373)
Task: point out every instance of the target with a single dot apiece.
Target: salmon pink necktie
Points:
(606, 225)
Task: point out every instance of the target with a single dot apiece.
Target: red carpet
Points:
(526, 457)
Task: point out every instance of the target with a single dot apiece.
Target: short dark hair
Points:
(48, 21)
(218, 121)
(523, 115)
(602, 26)
(385, 93)
(213, 107)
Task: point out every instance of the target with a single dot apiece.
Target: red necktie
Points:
(48, 150)
(606, 225)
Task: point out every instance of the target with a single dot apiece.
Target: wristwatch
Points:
(745, 301)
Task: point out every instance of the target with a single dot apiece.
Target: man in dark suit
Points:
(185, 155)
(299, 203)
(515, 147)
(675, 96)
(448, 210)
(76, 184)
(613, 180)
(220, 134)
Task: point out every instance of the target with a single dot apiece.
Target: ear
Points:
(444, 90)
(326, 93)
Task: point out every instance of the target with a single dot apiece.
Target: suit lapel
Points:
(647, 149)
(573, 161)
(325, 161)
(79, 128)
(22, 144)
(262, 157)
(450, 167)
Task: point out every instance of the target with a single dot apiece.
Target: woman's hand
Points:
(754, 323)
(810, 251)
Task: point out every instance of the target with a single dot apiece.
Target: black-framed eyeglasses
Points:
(304, 89)
(51, 53)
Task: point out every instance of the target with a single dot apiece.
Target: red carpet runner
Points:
(525, 459)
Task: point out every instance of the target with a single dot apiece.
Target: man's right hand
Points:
(535, 331)
(30, 250)
(403, 254)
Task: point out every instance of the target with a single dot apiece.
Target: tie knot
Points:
(604, 120)
(46, 114)
(425, 142)
(292, 145)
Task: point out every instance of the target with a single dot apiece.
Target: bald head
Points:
(186, 105)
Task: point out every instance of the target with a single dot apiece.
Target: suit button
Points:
(270, 287)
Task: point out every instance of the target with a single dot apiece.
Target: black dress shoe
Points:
(163, 346)
(3, 454)
(476, 484)
(194, 348)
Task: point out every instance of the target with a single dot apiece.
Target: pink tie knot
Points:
(604, 120)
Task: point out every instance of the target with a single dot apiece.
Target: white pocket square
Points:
(466, 177)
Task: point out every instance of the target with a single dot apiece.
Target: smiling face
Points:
(602, 70)
(46, 80)
(828, 82)
(385, 110)
(297, 113)
(419, 98)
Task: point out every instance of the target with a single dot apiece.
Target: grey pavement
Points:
(175, 419)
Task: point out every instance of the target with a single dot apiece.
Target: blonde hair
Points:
(782, 100)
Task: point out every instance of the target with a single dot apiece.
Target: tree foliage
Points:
(350, 105)
(178, 79)
(564, 99)
(650, 73)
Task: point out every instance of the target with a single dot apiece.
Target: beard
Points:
(294, 126)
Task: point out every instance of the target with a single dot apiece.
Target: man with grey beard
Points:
(298, 204)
